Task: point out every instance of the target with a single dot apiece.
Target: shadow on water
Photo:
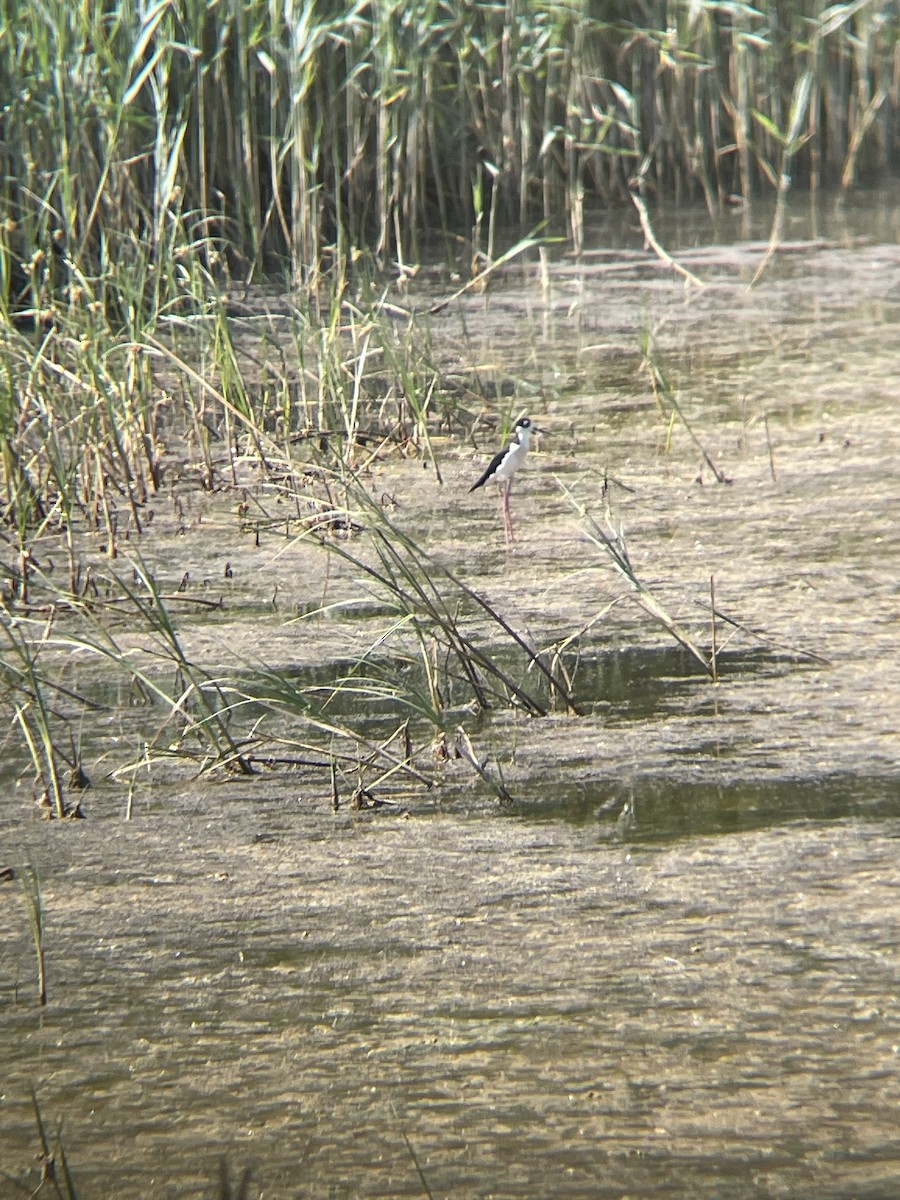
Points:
(666, 809)
(709, 785)
(641, 681)
(626, 684)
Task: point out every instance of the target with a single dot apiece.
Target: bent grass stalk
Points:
(614, 547)
(478, 281)
(759, 636)
(665, 396)
(210, 723)
(465, 749)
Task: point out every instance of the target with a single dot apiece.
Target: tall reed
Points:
(257, 133)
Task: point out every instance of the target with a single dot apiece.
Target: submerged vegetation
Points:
(156, 158)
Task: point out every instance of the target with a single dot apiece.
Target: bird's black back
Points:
(494, 464)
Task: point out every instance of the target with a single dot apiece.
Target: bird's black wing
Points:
(494, 464)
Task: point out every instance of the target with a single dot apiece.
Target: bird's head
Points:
(525, 427)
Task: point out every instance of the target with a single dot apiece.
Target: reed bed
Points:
(255, 135)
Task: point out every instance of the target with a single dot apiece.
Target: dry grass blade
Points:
(466, 750)
(666, 397)
(34, 903)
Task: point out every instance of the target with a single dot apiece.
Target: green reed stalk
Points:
(24, 689)
(790, 142)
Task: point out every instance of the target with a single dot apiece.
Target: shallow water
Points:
(537, 1007)
(670, 966)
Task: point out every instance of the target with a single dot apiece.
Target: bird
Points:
(504, 465)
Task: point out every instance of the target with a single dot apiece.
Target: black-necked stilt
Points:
(505, 464)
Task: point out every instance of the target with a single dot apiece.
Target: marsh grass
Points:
(723, 627)
(240, 718)
(445, 651)
(94, 423)
(614, 547)
(26, 692)
(196, 716)
(56, 1178)
(295, 726)
(152, 157)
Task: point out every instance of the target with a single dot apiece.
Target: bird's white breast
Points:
(515, 456)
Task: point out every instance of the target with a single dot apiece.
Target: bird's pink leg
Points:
(507, 517)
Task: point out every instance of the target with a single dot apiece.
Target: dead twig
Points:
(650, 238)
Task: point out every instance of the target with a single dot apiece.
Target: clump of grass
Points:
(436, 607)
(235, 718)
(613, 545)
(192, 701)
(294, 726)
(25, 691)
